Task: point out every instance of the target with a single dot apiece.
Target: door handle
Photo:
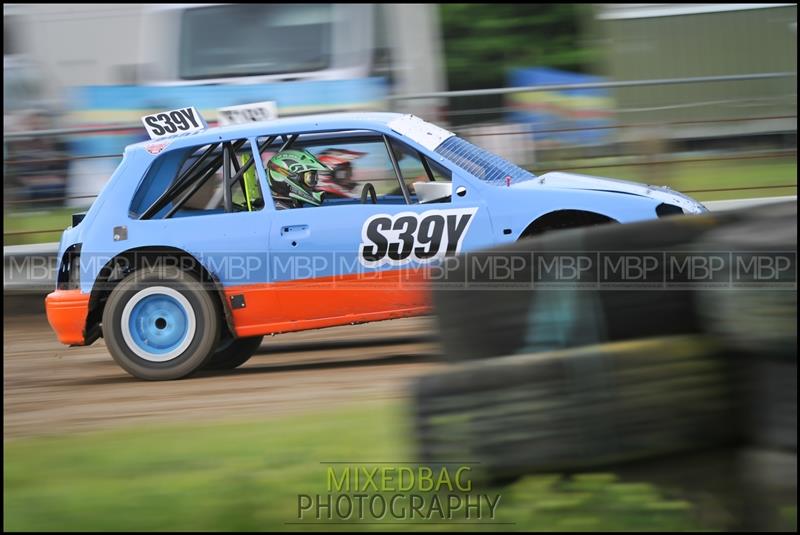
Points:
(295, 231)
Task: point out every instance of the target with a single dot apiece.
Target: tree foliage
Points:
(483, 41)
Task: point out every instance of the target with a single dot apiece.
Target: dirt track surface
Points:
(50, 388)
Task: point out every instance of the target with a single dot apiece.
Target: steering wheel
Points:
(368, 188)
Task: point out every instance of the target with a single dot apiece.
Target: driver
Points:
(292, 178)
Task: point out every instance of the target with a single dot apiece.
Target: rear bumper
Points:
(66, 312)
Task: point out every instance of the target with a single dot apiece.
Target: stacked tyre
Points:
(480, 316)
(583, 376)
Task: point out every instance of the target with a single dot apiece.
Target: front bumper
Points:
(66, 312)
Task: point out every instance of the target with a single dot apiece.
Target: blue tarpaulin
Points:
(577, 115)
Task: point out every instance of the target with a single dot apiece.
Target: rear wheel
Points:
(233, 352)
(160, 323)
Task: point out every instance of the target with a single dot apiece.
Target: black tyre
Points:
(160, 323)
(483, 319)
(578, 409)
(233, 352)
(758, 314)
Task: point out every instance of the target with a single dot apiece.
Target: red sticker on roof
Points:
(155, 148)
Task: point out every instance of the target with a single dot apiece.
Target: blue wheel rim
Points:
(158, 323)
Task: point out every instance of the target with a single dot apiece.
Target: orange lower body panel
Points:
(329, 301)
(284, 306)
(66, 312)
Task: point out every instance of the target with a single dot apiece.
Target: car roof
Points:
(286, 125)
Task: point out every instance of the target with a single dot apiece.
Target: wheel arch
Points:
(561, 219)
(135, 258)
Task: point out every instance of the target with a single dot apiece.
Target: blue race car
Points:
(206, 239)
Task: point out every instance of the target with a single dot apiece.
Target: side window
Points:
(331, 171)
(209, 196)
(439, 172)
(425, 180)
(194, 183)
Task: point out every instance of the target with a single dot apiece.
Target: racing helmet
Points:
(293, 176)
(339, 181)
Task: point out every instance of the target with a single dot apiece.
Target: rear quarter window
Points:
(200, 170)
(158, 177)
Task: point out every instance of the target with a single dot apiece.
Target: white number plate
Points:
(247, 113)
(170, 123)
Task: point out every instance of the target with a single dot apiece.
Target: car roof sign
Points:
(174, 122)
(248, 113)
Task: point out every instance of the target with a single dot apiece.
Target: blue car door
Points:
(318, 253)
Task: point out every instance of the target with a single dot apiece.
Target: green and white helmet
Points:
(293, 175)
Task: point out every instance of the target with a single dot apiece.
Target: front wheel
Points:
(160, 323)
(233, 352)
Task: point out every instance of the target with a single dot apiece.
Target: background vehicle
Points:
(147, 44)
(167, 57)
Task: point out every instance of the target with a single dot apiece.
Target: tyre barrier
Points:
(480, 317)
(579, 409)
(759, 315)
(655, 383)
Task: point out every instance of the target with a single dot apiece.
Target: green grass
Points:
(247, 476)
(686, 177)
(689, 177)
(18, 221)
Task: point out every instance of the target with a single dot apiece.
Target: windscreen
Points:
(481, 163)
(256, 39)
